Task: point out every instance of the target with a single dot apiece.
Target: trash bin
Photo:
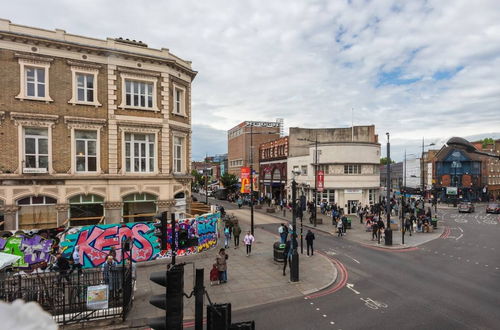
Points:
(434, 223)
(279, 252)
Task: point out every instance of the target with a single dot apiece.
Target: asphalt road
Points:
(449, 283)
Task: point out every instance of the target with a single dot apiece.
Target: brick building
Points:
(246, 136)
(91, 130)
(492, 174)
(272, 168)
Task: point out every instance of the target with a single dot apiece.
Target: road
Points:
(449, 283)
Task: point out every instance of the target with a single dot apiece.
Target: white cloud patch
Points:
(412, 68)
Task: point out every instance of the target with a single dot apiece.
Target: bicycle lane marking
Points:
(343, 276)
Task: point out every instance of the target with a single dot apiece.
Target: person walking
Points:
(249, 239)
(227, 236)
(290, 246)
(63, 266)
(374, 228)
(309, 240)
(236, 234)
(283, 231)
(344, 223)
(340, 230)
(76, 261)
(408, 224)
(380, 227)
(221, 261)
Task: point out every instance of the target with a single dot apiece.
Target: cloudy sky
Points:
(412, 68)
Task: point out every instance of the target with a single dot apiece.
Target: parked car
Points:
(465, 207)
(493, 208)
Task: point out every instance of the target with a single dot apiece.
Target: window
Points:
(303, 170)
(34, 80)
(371, 196)
(85, 87)
(139, 152)
(37, 212)
(36, 148)
(178, 154)
(352, 169)
(138, 94)
(86, 151)
(179, 95)
(324, 168)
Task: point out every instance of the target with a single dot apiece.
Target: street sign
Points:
(451, 190)
(321, 181)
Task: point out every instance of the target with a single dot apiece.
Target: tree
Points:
(199, 180)
(383, 161)
(487, 141)
(229, 181)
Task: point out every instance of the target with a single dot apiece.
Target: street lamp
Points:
(316, 158)
(388, 230)
(422, 171)
(294, 267)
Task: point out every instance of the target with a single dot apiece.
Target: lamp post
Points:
(388, 230)
(422, 170)
(315, 165)
(251, 179)
(294, 267)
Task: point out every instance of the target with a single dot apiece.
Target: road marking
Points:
(349, 286)
(459, 237)
(317, 309)
(351, 258)
(324, 315)
(477, 263)
(331, 322)
(485, 265)
(461, 229)
(468, 260)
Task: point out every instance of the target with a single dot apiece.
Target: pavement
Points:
(358, 232)
(252, 281)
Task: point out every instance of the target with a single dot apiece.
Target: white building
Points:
(348, 157)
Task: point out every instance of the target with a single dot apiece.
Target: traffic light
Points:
(161, 229)
(172, 301)
(218, 316)
(160, 301)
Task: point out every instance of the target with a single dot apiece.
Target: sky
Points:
(416, 69)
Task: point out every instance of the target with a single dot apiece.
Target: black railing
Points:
(64, 295)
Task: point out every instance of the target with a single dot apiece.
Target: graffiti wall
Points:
(95, 242)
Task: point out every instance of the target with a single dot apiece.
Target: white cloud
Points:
(262, 60)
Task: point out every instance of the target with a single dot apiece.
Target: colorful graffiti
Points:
(32, 249)
(95, 242)
(206, 226)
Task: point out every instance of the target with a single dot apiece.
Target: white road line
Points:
(459, 237)
(461, 229)
(351, 258)
(468, 260)
(324, 315)
(477, 263)
(331, 322)
(317, 309)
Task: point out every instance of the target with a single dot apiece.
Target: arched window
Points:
(86, 210)
(139, 207)
(37, 212)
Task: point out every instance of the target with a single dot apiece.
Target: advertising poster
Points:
(321, 181)
(97, 297)
(245, 180)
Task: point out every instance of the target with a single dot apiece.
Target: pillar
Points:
(9, 215)
(113, 212)
(62, 214)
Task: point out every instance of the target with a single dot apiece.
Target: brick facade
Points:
(109, 116)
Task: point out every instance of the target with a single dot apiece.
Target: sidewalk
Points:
(357, 233)
(253, 280)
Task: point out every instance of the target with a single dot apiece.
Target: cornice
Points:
(68, 120)
(33, 119)
(138, 72)
(83, 64)
(32, 57)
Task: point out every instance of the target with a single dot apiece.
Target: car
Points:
(493, 208)
(465, 207)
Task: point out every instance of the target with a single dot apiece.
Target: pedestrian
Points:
(380, 227)
(109, 273)
(344, 223)
(282, 230)
(236, 234)
(240, 202)
(76, 261)
(340, 230)
(112, 253)
(374, 228)
(63, 266)
(221, 262)
(290, 246)
(309, 240)
(248, 240)
(408, 225)
(227, 236)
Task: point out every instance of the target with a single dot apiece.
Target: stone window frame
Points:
(74, 89)
(22, 120)
(84, 124)
(183, 159)
(139, 130)
(183, 90)
(140, 78)
(39, 64)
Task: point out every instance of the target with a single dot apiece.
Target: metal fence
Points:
(64, 295)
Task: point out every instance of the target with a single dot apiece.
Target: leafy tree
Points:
(383, 161)
(199, 180)
(229, 181)
(487, 141)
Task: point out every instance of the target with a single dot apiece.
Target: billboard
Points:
(245, 180)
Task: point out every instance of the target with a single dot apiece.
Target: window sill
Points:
(32, 98)
(179, 115)
(140, 173)
(94, 104)
(128, 107)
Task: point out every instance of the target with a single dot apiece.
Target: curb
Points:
(334, 278)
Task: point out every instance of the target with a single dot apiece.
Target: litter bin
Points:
(434, 223)
(279, 252)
